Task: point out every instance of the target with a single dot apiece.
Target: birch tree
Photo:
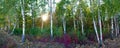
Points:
(23, 18)
(31, 14)
(112, 28)
(100, 24)
(94, 22)
(51, 17)
(81, 19)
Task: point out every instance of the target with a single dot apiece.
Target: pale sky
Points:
(88, 2)
(57, 1)
(47, 6)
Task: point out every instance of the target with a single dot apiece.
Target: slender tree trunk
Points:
(100, 25)
(112, 28)
(96, 31)
(81, 19)
(51, 20)
(94, 23)
(23, 17)
(64, 24)
(116, 26)
(74, 17)
(13, 29)
(8, 28)
(77, 24)
(74, 24)
(15, 23)
(18, 22)
(31, 11)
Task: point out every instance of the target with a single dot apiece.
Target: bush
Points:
(33, 31)
(38, 32)
(58, 32)
(80, 36)
(17, 31)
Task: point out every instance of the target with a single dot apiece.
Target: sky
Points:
(88, 2)
(57, 1)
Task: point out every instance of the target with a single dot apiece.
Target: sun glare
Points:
(44, 17)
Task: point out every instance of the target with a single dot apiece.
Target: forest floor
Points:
(12, 41)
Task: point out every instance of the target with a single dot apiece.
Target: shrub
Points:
(58, 32)
(17, 31)
(33, 31)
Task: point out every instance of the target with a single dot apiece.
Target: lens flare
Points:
(44, 17)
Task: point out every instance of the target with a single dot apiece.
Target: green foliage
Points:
(38, 32)
(17, 31)
(45, 32)
(33, 31)
(58, 32)
(80, 36)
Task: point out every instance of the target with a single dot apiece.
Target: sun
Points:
(44, 17)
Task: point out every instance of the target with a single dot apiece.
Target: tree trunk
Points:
(81, 19)
(15, 23)
(23, 17)
(96, 31)
(64, 24)
(18, 22)
(100, 25)
(8, 28)
(51, 20)
(112, 28)
(74, 22)
(74, 17)
(116, 26)
(31, 14)
(94, 23)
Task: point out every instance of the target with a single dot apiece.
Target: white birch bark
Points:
(81, 19)
(15, 23)
(31, 14)
(23, 17)
(112, 27)
(94, 23)
(115, 26)
(74, 24)
(64, 24)
(99, 20)
(96, 31)
(51, 20)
